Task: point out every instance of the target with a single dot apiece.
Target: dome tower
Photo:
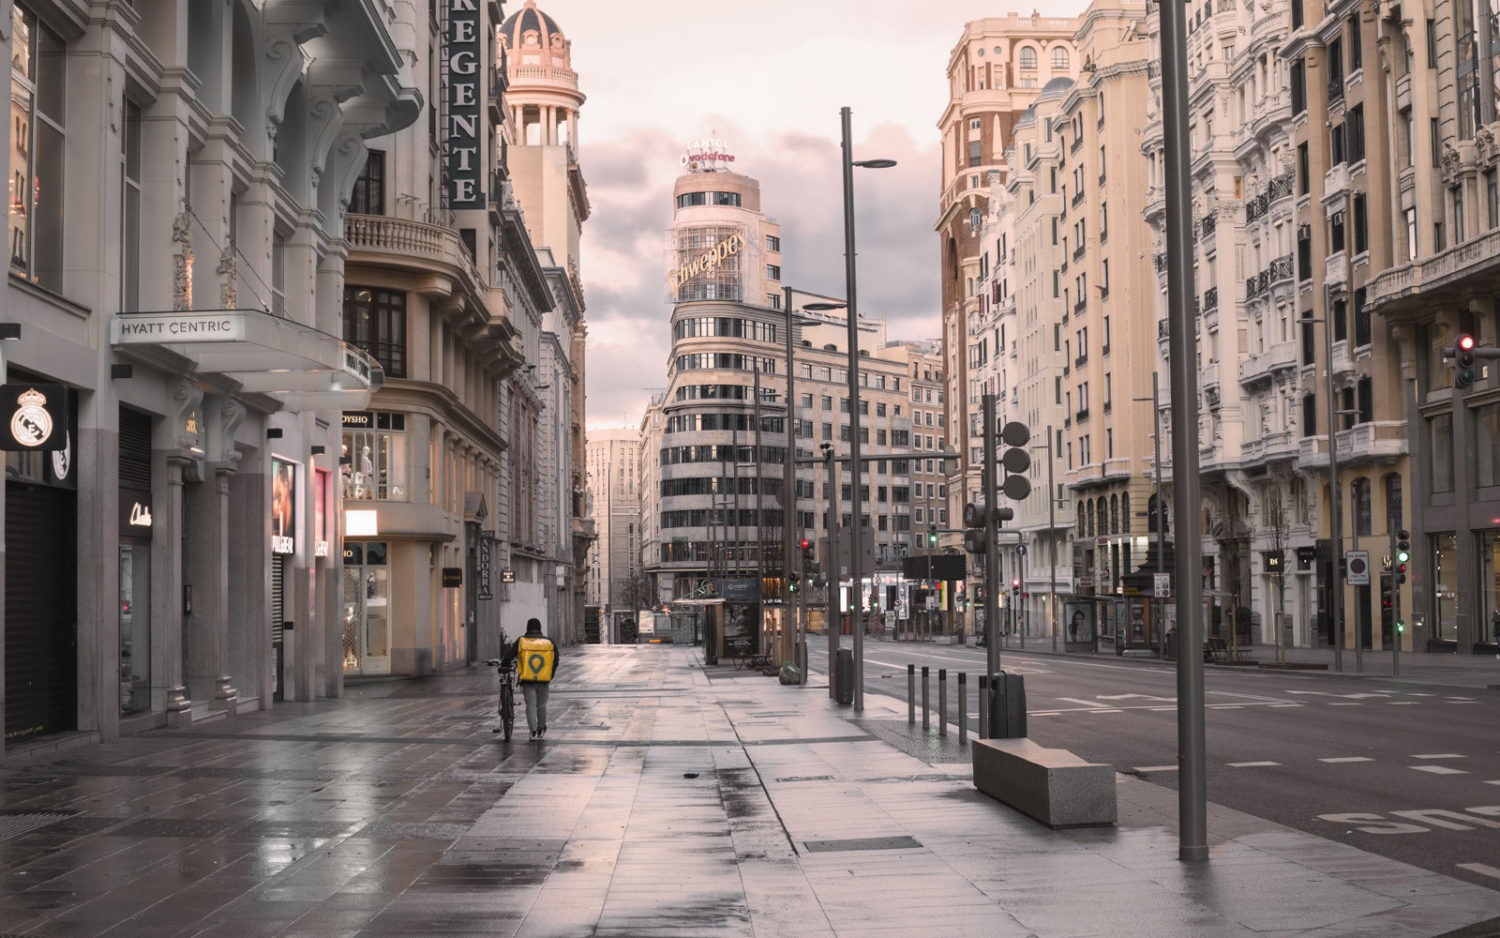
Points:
(542, 88)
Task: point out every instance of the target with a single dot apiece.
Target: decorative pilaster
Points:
(182, 262)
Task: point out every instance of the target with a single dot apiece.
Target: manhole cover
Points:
(861, 843)
(16, 823)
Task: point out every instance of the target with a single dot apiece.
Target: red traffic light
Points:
(806, 543)
(1466, 342)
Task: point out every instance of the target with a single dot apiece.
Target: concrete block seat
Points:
(1052, 785)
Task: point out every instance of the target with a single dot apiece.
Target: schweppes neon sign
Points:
(709, 260)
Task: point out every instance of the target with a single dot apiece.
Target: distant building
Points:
(615, 569)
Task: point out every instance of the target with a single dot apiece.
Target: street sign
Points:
(1163, 583)
(1020, 550)
(1358, 562)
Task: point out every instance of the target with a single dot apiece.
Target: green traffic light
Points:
(1402, 556)
(1400, 627)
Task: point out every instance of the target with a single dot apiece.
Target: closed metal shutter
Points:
(41, 657)
(135, 450)
(278, 609)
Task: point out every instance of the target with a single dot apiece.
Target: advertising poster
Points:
(283, 507)
(1078, 622)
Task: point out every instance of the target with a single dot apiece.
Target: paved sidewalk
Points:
(668, 799)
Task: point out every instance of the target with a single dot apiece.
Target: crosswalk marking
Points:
(1156, 768)
(1251, 765)
(1438, 755)
(1439, 770)
(1348, 759)
(1404, 703)
(1483, 869)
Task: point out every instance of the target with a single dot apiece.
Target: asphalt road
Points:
(1403, 770)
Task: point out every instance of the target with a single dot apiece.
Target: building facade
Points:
(995, 71)
(615, 581)
(543, 101)
(172, 519)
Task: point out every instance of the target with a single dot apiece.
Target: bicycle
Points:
(507, 698)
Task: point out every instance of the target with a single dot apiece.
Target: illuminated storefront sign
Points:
(283, 507)
(464, 62)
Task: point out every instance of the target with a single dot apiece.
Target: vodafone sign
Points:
(706, 154)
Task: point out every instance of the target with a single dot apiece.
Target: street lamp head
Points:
(875, 164)
(821, 307)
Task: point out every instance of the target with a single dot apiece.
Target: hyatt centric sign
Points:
(464, 61)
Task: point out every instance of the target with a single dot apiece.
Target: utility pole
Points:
(991, 493)
(833, 577)
(1052, 535)
(789, 495)
(1192, 791)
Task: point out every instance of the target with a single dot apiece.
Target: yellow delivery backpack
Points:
(535, 658)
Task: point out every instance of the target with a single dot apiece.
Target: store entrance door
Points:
(367, 627)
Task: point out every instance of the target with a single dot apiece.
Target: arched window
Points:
(1028, 57)
(1080, 521)
(1125, 513)
(1393, 502)
(1103, 518)
(1059, 59)
(1114, 514)
(1090, 531)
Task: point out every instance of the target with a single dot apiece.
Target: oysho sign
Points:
(709, 260)
(707, 153)
(464, 63)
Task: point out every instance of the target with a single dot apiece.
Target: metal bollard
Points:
(984, 707)
(942, 701)
(963, 708)
(911, 693)
(926, 707)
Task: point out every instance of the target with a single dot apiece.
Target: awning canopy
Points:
(304, 368)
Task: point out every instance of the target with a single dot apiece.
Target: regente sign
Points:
(464, 63)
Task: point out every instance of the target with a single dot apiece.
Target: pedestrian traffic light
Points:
(1463, 362)
(1015, 460)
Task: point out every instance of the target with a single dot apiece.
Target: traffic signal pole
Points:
(991, 556)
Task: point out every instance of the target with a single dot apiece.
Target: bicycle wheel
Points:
(507, 708)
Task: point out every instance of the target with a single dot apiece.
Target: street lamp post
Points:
(856, 466)
(1335, 500)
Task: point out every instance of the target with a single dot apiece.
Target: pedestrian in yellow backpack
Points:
(536, 661)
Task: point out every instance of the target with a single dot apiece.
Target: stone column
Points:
(206, 627)
(169, 689)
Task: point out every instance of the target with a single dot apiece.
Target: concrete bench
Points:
(1052, 785)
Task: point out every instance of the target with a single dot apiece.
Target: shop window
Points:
(372, 463)
(37, 143)
(1489, 586)
(375, 320)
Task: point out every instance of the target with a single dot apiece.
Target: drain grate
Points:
(861, 843)
(16, 823)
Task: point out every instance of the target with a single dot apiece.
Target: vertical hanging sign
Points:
(465, 65)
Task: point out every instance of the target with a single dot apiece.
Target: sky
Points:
(769, 78)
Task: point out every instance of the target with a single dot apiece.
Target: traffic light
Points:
(932, 537)
(1015, 586)
(976, 515)
(809, 562)
(1463, 362)
(1015, 460)
(1403, 555)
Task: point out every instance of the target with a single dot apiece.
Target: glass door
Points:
(135, 626)
(366, 623)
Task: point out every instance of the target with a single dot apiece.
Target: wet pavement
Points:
(667, 799)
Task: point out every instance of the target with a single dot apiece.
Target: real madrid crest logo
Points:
(31, 425)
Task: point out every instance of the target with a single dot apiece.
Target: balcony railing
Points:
(1077, 142)
(1077, 198)
(1209, 224)
(1160, 261)
(1281, 268)
(1253, 287)
(1211, 298)
(1163, 329)
(1080, 304)
(1078, 252)
(1282, 186)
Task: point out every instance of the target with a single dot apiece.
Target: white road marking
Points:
(1343, 703)
(1462, 700)
(1136, 697)
(1251, 765)
(1156, 768)
(1483, 869)
(1439, 755)
(1493, 781)
(1090, 704)
(1438, 769)
(1348, 759)
(1403, 703)
(1323, 693)
(1162, 709)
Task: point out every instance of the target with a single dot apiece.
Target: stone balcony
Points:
(1336, 270)
(1373, 440)
(1336, 182)
(413, 245)
(1412, 285)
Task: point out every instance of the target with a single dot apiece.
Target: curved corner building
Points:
(724, 281)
